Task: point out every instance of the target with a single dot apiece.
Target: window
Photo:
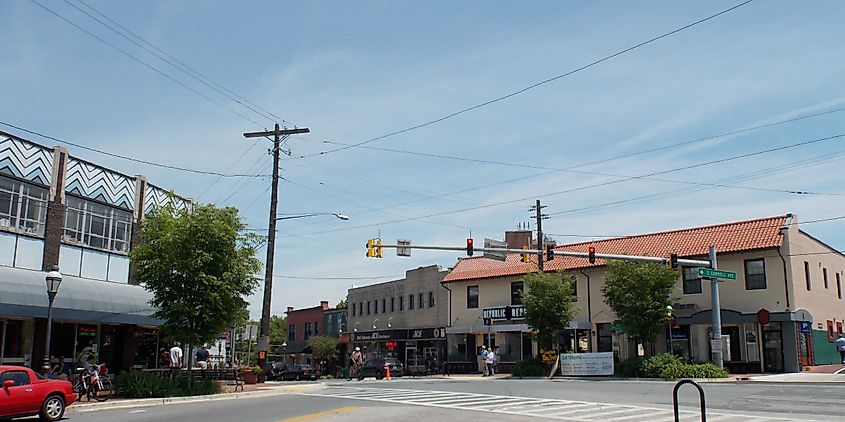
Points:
(420, 301)
(316, 328)
(516, 292)
(14, 339)
(430, 299)
(368, 307)
(401, 303)
(410, 302)
(472, 297)
(830, 331)
(376, 307)
(292, 332)
(22, 206)
(383, 306)
(692, 281)
(807, 275)
(824, 276)
(307, 330)
(96, 225)
(19, 377)
(755, 274)
(838, 286)
(575, 289)
(354, 308)
(605, 338)
(392, 305)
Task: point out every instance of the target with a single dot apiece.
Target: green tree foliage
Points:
(199, 267)
(323, 348)
(549, 304)
(639, 293)
(342, 304)
(278, 329)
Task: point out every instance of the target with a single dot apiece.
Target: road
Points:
(505, 400)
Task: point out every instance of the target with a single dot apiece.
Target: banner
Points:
(586, 363)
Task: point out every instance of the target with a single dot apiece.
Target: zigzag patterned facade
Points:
(155, 197)
(25, 160)
(98, 183)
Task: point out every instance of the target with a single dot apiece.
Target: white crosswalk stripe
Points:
(567, 410)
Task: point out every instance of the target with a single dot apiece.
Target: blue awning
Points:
(23, 293)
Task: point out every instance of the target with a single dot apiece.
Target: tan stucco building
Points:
(782, 312)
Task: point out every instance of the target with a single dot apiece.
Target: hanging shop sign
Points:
(504, 312)
(427, 334)
(384, 335)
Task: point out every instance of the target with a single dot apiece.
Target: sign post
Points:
(713, 274)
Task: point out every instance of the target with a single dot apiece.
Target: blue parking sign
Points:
(806, 326)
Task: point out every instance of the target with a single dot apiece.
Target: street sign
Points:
(495, 244)
(403, 251)
(806, 327)
(710, 273)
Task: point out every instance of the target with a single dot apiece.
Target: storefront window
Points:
(605, 338)
(516, 292)
(22, 206)
(13, 339)
(97, 225)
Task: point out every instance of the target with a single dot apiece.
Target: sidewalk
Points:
(250, 391)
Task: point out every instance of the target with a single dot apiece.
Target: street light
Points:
(53, 280)
(355, 327)
(374, 323)
(389, 325)
(669, 313)
(313, 214)
(285, 352)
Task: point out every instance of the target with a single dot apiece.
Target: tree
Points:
(199, 267)
(341, 305)
(323, 348)
(639, 293)
(278, 329)
(549, 304)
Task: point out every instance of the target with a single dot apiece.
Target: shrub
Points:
(654, 366)
(530, 368)
(700, 370)
(631, 367)
(142, 385)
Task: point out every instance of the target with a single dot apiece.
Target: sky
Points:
(767, 74)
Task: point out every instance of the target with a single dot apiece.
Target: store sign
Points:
(504, 312)
(427, 333)
(586, 363)
(87, 332)
(380, 335)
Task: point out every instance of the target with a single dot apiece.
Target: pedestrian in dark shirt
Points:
(202, 357)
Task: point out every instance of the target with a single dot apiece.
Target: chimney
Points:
(518, 239)
(290, 309)
(324, 304)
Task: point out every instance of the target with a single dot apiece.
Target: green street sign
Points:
(709, 273)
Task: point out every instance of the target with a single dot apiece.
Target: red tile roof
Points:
(739, 236)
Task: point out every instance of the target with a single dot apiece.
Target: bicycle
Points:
(94, 385)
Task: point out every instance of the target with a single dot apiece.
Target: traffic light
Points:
(379, 249)
(371, 250)
(591, 254)
(526, 257)
(550, 252)
(673, 261)
(469, 246)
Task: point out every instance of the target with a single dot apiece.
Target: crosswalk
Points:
(567, 410)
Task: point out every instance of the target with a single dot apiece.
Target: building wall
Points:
(823, 303)
(421, 280)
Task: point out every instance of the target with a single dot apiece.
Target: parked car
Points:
(274, 371)
(375, 368)
(23, 392)
(299, 372)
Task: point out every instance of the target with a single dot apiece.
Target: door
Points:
(20, 398)
(772, 350)
(410, 357)
(734, 347)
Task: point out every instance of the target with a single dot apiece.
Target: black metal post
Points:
(46, 364)
(700, 399)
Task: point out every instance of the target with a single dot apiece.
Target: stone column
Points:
(55, 222)
(137, 220)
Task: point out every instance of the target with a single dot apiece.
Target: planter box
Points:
(250, 377)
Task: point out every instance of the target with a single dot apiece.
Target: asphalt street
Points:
(505, 400)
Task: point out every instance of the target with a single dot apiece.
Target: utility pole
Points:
(540, 217)
(264, 334)
(716, 310)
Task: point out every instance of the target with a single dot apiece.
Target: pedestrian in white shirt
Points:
(176, 356)
(490, 360)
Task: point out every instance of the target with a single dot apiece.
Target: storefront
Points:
(418, 349)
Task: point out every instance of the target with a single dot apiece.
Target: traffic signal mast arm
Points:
(636, 258)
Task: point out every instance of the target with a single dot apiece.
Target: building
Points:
(302, 325)
(60, 210)
(783, 310)
(403, 318)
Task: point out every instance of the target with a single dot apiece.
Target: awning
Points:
(23, 293)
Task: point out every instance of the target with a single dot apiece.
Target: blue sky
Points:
(353, 71)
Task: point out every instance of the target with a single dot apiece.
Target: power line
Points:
(123, 157)
(535, 85)
(585, 187)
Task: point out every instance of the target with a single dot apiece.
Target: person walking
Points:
(840, 345)
(490, 360)
(176, 356)
(202, 357)
(482, 359)
(496, 357)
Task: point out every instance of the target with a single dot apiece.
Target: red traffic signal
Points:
(469, 246)
(591, 254)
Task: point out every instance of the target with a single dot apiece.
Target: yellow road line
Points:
(318, 415)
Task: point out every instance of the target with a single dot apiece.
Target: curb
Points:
(134, 403)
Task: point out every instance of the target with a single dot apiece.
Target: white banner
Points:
(586, 363)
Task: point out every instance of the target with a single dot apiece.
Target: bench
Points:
(229, 375)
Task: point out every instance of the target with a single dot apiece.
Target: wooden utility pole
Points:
(264, 333)
(540, 217)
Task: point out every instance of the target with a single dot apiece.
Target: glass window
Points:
(807, 275)
(292, 332)
(410, 302)
(23, 207)
(824, 276)
(420, 301)
(838, 286)
(516, 292)
(14, 339)
(401, 303)
(97, 225)
(472, 297)
(392, 304)
(605, 338)
(19, 377)
(383, 306)
(354, 308)
(692, 281)
(430, 299)
(368, 307)
(375, 311)
(755, 274)
(316, 328)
